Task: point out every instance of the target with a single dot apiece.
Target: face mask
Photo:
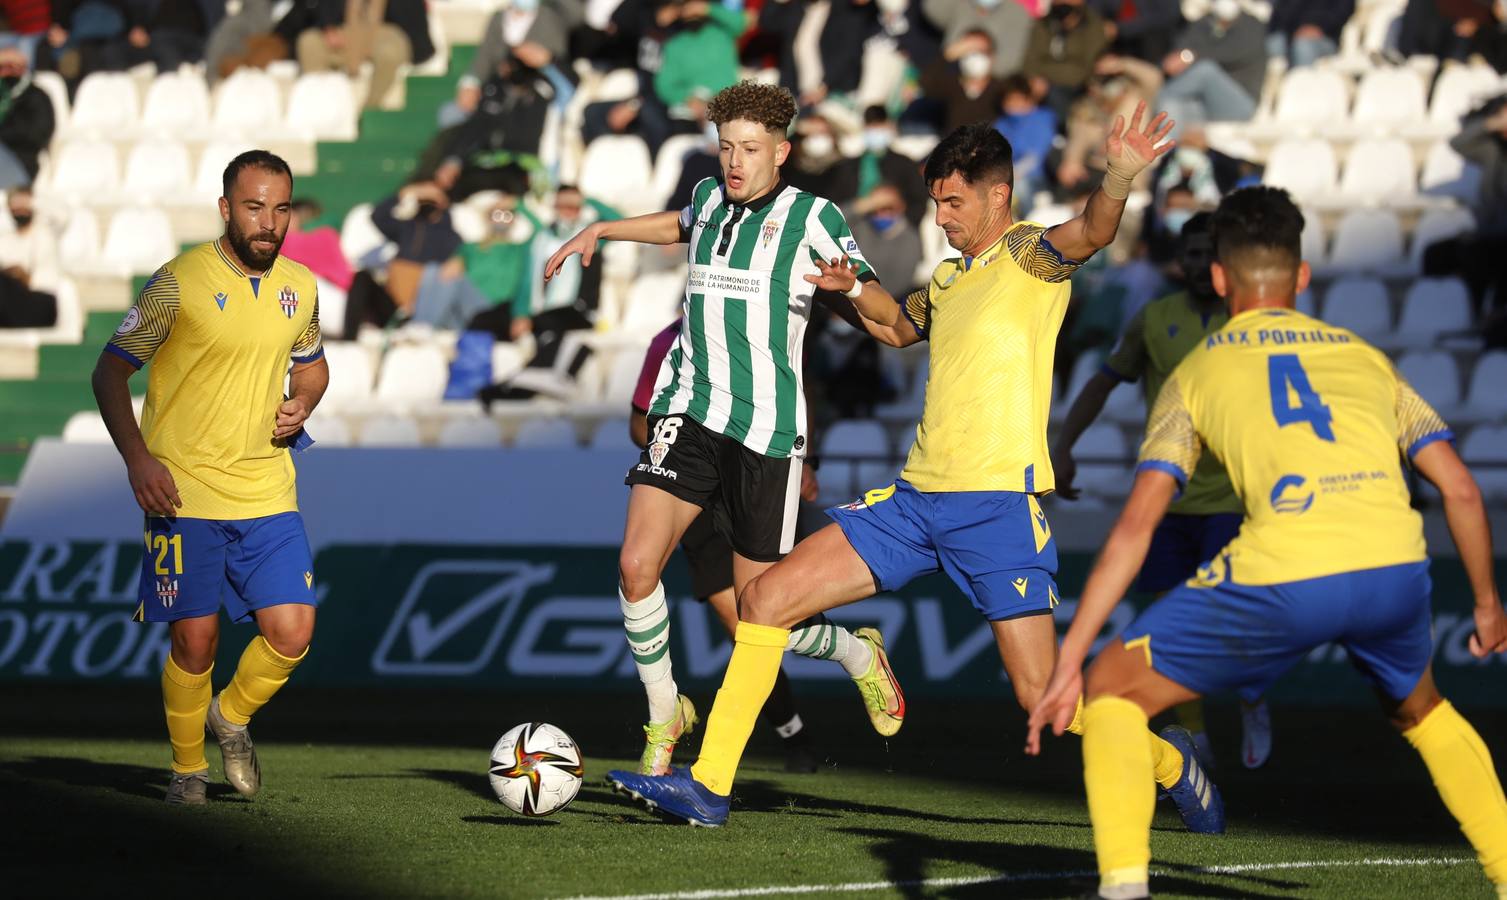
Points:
(525, 6)
(876, 140)
(1175, 219)
(818, 146)
(987, 4)
(892, 6)
(882, 223)
(21, 219)
(1060, 12)
(1225, 10)
(975, 65)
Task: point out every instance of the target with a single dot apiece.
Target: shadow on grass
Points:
(508, 821)
(122, 778)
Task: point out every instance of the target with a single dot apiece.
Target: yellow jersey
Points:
(1308, 420)
(1156, 339)
(992, 321)
(219, 341)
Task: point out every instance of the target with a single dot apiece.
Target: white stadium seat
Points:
(1434, 307)
(851, 437)
(56, 89)
(612, 435)
(210, 175)
(551, 434)
(1315, 241)
(1306, 167)
(1447, 174)
(358, 236)
(1361, 305)
(471, 431)
(329, 430)
(389, 431)
(1368, 239)
(156, 169)
(86, 428)
(1379, 171)
(653, 302)
(619, 84)
(322, 106)
(1312, 97)
(1487, 397)
(507, 360)
(105, 105)
(78, 246)
(617, 171)
(1438, 225)
(177, 102)
(1103, 479)
(622, 376)
(351, 373)
(248, 104)
(1458, 89)
(1389, 99)
(139, 240)
(1434, 375)
(412, 374)
(1488, 444)
(83, 171)
(668, 163)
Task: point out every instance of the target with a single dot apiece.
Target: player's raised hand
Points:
(156, 491)
(1491, 631)
(584, 243)
(1130, 150)
(290, 418)
(838, 275)
(1057, 706)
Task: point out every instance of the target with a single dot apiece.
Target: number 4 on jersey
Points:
(1284, 371)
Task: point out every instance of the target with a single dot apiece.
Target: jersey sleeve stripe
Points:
(1029, 247)
(1161, 465)
(316, 356)
(1442, 435)
(124, 354)
(917, 310)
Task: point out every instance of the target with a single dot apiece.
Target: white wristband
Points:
(853, 292)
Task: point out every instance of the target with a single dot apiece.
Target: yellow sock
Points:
(185, 699)
(1166, 761)
(757, 651)
(259, 675)
(1076, 726)
(1121, 801)
(1467, 782)
(1190, 715)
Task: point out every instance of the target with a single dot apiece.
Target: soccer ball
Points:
(536, 769)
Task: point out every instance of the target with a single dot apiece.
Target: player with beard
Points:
(210, 466)
(1207, 514)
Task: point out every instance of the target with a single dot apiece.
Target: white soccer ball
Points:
(536, 769)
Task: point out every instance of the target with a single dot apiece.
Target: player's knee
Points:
(637, 575)
(762, 603)
(1411, 712)
(290, 641)
(194, 652)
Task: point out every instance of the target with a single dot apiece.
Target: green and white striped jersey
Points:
(736, 366)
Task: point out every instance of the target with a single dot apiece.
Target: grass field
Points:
(385, 794)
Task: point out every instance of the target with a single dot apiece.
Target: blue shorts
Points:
(192, 567)
(1232, 636)
(996, 546)
(1181, 544)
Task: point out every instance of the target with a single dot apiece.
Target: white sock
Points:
(647, 623)
(790, 729)
(818, 638)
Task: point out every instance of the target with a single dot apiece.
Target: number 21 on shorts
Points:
(166, 549)
(1286, 378)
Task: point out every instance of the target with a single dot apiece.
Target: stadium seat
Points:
(1361, 305)
(78, 246)
(619, 84)
(1311, 97)
(321, 106)
(1367, 239)
(1447, 174)
(1306, 167)
(611, 435)
(1107, 477)
(1438, 225)
(56, 89)
(412, 375)
(471, 431)
(1434, 307)
(106, 105)
(668, 163)
(622, 376)
(653, 302)
(176, 103)
(1458, 89)
(1388, 100)
(248, 104)
(1487, 397)
(1315, 241)
(1434, 375)
(507, 360)
(860, 438)
(139, 240)
(209, 176)
(388, 431)
(328, 430)
(83, 171)
(358, 235)
(904, 442)
(1488, 444)
(156, 169)
(617, 171)
(546, 434)
(87, 427)
(351, 374)
(1379, 171)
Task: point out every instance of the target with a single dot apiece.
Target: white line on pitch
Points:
(775, 890)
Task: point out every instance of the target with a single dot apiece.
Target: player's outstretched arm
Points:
(1123, 553)
(653, 228)
(1471, 530)
(878, 313)
(1128, 151)
(151, 482)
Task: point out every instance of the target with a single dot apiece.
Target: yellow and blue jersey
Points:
(220, 340)
(1155, 340)
(992, 321)
(1308, 420)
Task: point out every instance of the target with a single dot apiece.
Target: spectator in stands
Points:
(26, 24)
(1143, 29)
(1215, 72)
(527, 29)
(890, 243)
(855, 179)
(29, 273)
(1305, 31)
(1447, 29)
(86, 36)
(960, 86)
(417, 220)
(649, 24)
(170, 33)
(814, 156)
(700, 59)
(1031, 130)
(828, 63)
(1005, 23)
(1119, 83)
(26, 120)
(245, 38)
(1063, 48)
(499, 266)
(317, 248)
(347, 33)
(1478, 257)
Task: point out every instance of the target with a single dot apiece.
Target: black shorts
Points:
(709, 557)
(752, 498)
